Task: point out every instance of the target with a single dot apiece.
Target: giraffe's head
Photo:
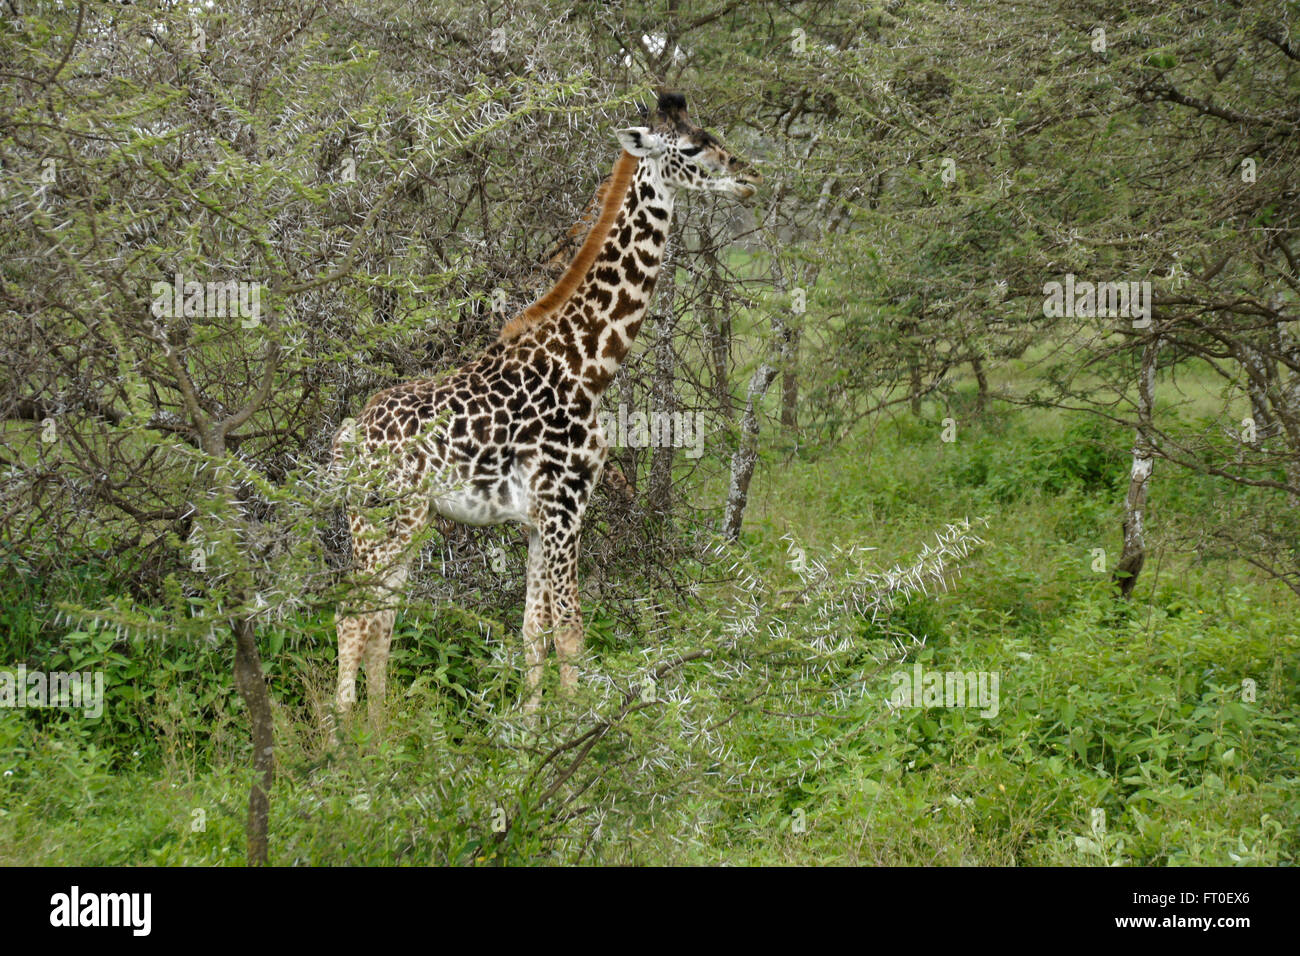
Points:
(689, 157)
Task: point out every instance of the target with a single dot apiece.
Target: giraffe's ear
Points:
(640, 141)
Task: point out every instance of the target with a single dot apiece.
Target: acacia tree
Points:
(185, 259)
(381, 185)
(1001, 147)
(387, 182)
(1204, 212)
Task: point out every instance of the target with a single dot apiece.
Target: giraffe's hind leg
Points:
(379, 639)
(352, 641)
(353, 628)
(381, 570)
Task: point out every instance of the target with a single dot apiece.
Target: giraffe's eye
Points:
(691, 150)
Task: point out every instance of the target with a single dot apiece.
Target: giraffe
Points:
(513, 436)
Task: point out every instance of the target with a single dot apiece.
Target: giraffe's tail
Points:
(344, 442)
(343, 453)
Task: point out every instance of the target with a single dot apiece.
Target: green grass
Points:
(1132, 714)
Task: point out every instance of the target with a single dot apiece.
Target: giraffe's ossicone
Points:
(514, 435)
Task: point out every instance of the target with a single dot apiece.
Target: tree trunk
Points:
(717, 334)
(251, 684)
(250, 680)
(790, 378)
(1285, 419)
(1289, 412)
(746, 456)
(663, 401)
(982, 396)
(1259, 372)
(1134, 554)
(914, 385)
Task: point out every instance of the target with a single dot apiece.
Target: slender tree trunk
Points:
(663, 391)
(251, 684)
(717, 335)
(828, 216)
(1284, 400)
(1134, 554)
(1289, 413)
(982, 396)
(790, 378)
(1259, 372)
(914, 385)
(746, 455)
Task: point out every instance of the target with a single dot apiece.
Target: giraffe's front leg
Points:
(537, 620)
(561, 555)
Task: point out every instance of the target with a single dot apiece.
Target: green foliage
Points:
(1087, 456)
(1136, 713)
(383, 174)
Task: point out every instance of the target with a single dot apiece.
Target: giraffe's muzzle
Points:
(747, 182)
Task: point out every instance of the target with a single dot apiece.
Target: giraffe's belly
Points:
(469, 505)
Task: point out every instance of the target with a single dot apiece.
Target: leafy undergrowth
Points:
(1155, 733)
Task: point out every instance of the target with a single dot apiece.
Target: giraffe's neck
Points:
(595, 328)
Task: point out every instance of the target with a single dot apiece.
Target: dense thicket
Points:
(372, 188)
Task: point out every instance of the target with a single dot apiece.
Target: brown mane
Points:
(561, 254)
(618, 184)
